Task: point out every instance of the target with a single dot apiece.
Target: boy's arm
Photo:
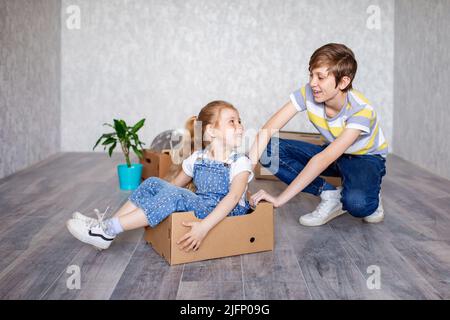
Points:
(193, 239)
(275, 123)
(181, 180)
(313, 168)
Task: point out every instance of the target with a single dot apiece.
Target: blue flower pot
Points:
(129, 178)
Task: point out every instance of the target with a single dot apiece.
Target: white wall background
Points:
(422, 79)
(165, 59)
(30, 46)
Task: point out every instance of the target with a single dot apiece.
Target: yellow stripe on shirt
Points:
(303, 90)
(361, 96)
(383, 146)
(369, 144)
(318, 121)
(366, 113)
(336, 131)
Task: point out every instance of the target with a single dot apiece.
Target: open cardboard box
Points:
(155, 164)
(313, 138)
(253, 232)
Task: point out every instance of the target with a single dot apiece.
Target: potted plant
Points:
(129, 173)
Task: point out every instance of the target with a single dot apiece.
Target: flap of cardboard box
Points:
(313, 138)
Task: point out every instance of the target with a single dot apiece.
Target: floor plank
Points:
(98, 270)
(148, 276)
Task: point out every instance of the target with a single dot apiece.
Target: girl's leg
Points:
(148, 189)
(155, 208)
(133, 220)
(125, 209)
(126, 222)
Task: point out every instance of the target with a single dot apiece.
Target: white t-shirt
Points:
(243, 163)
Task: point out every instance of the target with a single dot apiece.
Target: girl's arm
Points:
(275, 123)
(193, 238)
(181, 180)
(312, 170)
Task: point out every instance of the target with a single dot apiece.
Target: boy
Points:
(355, 147)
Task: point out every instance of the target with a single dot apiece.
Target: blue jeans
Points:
(361, 174)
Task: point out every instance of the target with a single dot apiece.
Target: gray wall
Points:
(422, 79)
(165, 59)
(29, 82)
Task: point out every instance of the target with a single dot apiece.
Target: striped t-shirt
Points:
(357, 114)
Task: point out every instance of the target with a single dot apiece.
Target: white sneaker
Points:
(329, 208)
(88, 220)
(377, 216)
(94, 235)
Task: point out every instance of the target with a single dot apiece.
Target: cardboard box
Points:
(253, 232)
(155, 164)
(313, 138)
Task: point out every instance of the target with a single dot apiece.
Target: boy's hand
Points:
(193, 239)
(263, 195)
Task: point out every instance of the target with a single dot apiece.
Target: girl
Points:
(219, 174)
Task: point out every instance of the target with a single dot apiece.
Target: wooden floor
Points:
(411, 247)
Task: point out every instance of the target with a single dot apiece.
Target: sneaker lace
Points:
(100, 218)
(319, 212)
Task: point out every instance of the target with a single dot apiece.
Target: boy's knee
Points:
(358, 204)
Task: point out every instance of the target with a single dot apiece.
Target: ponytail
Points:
(190, 134)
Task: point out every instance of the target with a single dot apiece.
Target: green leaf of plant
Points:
(137, 126)
(124, 125)
(109, 141)
(120, 129)
(111, 149)
(111, 134)
(98, 141)
(138, 152)
(135, 138)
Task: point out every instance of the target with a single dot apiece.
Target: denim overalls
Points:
(158, 198)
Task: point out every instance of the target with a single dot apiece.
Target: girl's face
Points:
(229, 128)
(323, 84)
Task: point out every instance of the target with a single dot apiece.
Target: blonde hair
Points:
(209, 114)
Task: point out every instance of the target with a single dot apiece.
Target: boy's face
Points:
(323, 84)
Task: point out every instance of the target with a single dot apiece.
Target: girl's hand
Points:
(193, 238)
(263, 195)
